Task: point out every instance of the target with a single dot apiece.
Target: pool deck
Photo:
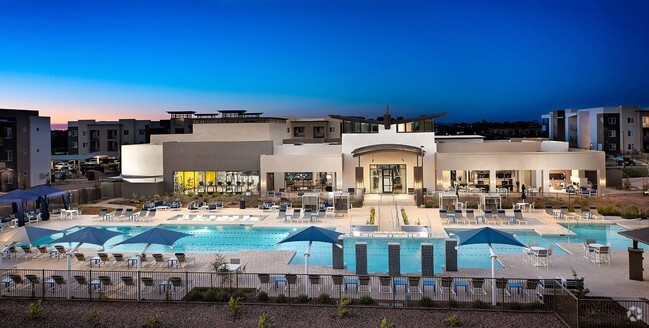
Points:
(602, 280)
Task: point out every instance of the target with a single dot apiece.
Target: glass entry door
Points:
(388, 176)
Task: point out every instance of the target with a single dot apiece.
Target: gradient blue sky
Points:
(497, 60)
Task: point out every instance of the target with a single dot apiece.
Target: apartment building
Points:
(25, 149)
(614, 130)
(105, 137)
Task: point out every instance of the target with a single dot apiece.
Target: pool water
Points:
(232, 238)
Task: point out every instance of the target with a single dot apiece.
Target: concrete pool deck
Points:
(601, 280)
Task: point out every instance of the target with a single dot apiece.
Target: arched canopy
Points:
(388, 148)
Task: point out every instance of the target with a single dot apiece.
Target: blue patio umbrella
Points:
(488, 236)
(87, 235)
(312, 234)
(26, 235)
(152, 236)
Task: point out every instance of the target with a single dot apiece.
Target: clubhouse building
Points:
(235, 151)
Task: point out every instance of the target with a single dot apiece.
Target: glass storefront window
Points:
(228, 182)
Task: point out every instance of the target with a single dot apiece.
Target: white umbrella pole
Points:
(494, 290)
(69, 276)
(306, 265)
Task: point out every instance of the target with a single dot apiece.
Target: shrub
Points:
(262, 297)
(366, 300)
(343, 309)
(372, 215)
(404, 216)
(515, 306)
(303, 298)
(385, 323)
(453, 321)
(453, 303)
(537, 305)
(93, 318)
(478, 304)
(152, 321)
(235, 306)
(196, 296)
(35, 310)
(266, 320)
(281, 298)
(324, 298)
(426, 301)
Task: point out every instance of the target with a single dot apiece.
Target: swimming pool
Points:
(233, 238)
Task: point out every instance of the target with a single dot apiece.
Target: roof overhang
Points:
(640, 235)
(382, 148)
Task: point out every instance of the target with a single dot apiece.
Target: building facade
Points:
(25, 149)
(90, 137)
(240, 152)
(614, 130)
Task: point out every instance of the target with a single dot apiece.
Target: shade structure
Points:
(157, 236)
(87, 235)
(27, 235)
(24, 235)
(488, 236)
(46, 193)
(311, 234)
(18, 198)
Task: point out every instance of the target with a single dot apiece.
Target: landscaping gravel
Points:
(14, 313)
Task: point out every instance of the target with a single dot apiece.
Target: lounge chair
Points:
(126, 215)
(364, 285)
(549, 211)
(18, 281)
(119, 258)
(60, 249)
(532, 288)
(459, 217)
(159, 259)
(176, 284)
(429, 282)
(306, 215)
(447, 286)
(565, 213)
(443, 215)
(82, 283)
(183, 260)
(27, 251)
(104, 258)
(414, 285)
(502, 217)
(128, 282)
(43, 250)
(314, 283)
(138, 216)
(296, 215)
(292, 283)
(489, 217)
(32, 279)
(266, 206)
(106, 284)
(568, 283)
(116, 214)
(80, 257)
(470, 217)
(281, 215)
(151, 214)
(594, 214)
(102, 214)
(149, 284)
(502, 289)
(385, 284)
(337, 283)
(477, 286)
(518, 215)
(264, 282)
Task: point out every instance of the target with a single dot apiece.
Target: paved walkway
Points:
(602, 280)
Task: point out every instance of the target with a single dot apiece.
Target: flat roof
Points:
(640, 235)
(181, 112)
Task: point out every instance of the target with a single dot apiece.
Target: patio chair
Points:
(116, 214)
(106, 284)
(159, 259)
(82, 283)
(151, 214)
(501, 287)
(459, 217)
(33, 280)
(565, 213)
(60, 249)
(177, 284)
(128, 283)
(27, 251)
(264, 282)
(602, 255)
(546, 286)
(384, 284)
(549, 211)
(59, 282)
(183, 259)
(443, 215)
(42, 250)
(104, 258)
(102, 214)
(588, 251)
(292, 284)
(119, 258)
(541, 258)
(550, 250)
(281, 215)
(446, 286)
(581, 213)
(489, 217)
(314, 282)
(149, 284)
(364, 285)
(594, 214)
(126, 215)
(531, 288)
(568, 283)
(306, 215)
(470, 217)
(80, 257)
(477, 286)
(414, 285)
(296, 215)
(518, 215)
(502, 217)
(139, 216)
(337, 282)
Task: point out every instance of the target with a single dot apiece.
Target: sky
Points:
(495, 60)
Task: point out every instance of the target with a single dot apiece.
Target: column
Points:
(451, 254)
(492, 180)
(338, 260)
(394, 259)
(361, 258)
(427, 260)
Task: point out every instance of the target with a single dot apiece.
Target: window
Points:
(298, 131)
(645, 121)
(612, 146)
(612, 120)
(629, 133)
(630, 120)
(25, 151)
(140, 132)
(84, 145)
(9, 133)
(318, 131)
(126, 132)
(631, 146)
(612, 133)
(38, 129)
(332, 129)
(9, 155)
(288, 130)
(75, 144)
(38, 150)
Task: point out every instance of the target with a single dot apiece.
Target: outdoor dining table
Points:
(96, 260)
(524, 206)
(132, 261)
(68, 214)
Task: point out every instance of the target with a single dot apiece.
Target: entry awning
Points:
(388, 148)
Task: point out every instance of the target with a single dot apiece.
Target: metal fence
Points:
(393, 291)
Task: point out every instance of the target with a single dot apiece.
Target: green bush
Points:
(343, 309)
(366, 300)
(426, 302)
(536, 305)
(152, 321)
(266, 320)
(515, 306)
(35, 310)
(634, 172)
(93, 318)
(281, 298)
(262, 297)
(385, 323)
(478, 304)
(196, 296)
(453, 321)
(303, 298)
(324, 298)
(235, 306)
(404, 216)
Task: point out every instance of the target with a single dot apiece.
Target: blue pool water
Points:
(232, 238)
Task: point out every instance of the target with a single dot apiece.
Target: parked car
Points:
(62, 166)
(624, 161)
(89, 166)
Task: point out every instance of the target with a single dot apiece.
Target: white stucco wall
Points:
(142, 160)
(308, 149)
(40, 150)
(227, 132)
